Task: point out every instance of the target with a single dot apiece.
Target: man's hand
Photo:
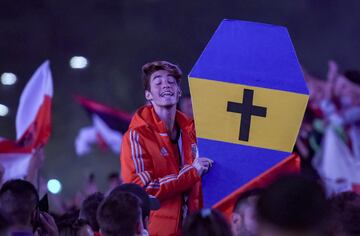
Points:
(202, 164)
(48, 226)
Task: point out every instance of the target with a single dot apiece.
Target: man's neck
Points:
(20, 228)
(167, 115)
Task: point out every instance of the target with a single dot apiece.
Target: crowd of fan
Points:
(292, 205)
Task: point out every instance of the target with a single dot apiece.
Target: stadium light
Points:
(4, 110)
(54, 186)
(8, 78)
(78, 62)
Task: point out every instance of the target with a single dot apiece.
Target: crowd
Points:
(292, 205)
(308, 203)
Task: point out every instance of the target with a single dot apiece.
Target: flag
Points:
(14, 159)
(249, 97)
(33, 117)
(33, 124)
(108, 126)
(336, 164)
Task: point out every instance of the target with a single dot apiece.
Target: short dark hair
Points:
(295, 203)
(346, 213)
(206, 222)
(71, 228)
(89, 208)
(18, 200)
(119, 214)
(149, 68)
(146, 203)
(244, 197)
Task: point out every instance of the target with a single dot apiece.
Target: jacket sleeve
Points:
(137, 167)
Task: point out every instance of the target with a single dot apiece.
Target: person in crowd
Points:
(113, 180)
(346, 214)
(120, 215)
(148, 203)
(293, 205)
(77, 227)
(159, 150)
(89, 208)
(243, 219)
(206, 222)
(19, 202)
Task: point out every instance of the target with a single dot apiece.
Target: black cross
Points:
(246, 109)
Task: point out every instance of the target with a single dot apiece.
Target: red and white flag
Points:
(33, 124)
(14, 159)
(336, 164)
(33, 117)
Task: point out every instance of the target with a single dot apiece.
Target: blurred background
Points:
(116, 37)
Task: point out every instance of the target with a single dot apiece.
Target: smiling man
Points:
(159, 150)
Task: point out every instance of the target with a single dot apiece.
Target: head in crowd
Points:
(89, 208)
(347, 88)
(147, 202)
(19, 202)
(293, 205)
(78, 227)
(120, 214)
(206, 222)
(244, 220)
(155, 76)
(346, 214)
(113, 180)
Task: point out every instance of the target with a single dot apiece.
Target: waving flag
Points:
(336, 164)
(33, 117)
(249, 97)
(108, 126)
(33, 124)
(15, 159)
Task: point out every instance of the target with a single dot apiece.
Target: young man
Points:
(159, 150)
(19, 202)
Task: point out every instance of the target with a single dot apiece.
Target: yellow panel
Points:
(277, 131)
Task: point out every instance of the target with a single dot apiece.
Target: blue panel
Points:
(252, 54)
(234, 166)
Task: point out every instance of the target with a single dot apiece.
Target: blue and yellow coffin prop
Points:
(249, 97)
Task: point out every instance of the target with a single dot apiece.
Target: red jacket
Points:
(149, 159)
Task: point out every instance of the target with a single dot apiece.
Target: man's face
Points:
(164, 90)
(244, 221)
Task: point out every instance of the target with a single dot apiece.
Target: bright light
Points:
(78, 62)
(8, 78)
(54, 186)
(3, 110)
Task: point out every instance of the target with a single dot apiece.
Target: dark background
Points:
(119, 36)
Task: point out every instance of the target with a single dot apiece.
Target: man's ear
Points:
(148, 95)
(139, 227)
(236, 218)
(146, 222)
